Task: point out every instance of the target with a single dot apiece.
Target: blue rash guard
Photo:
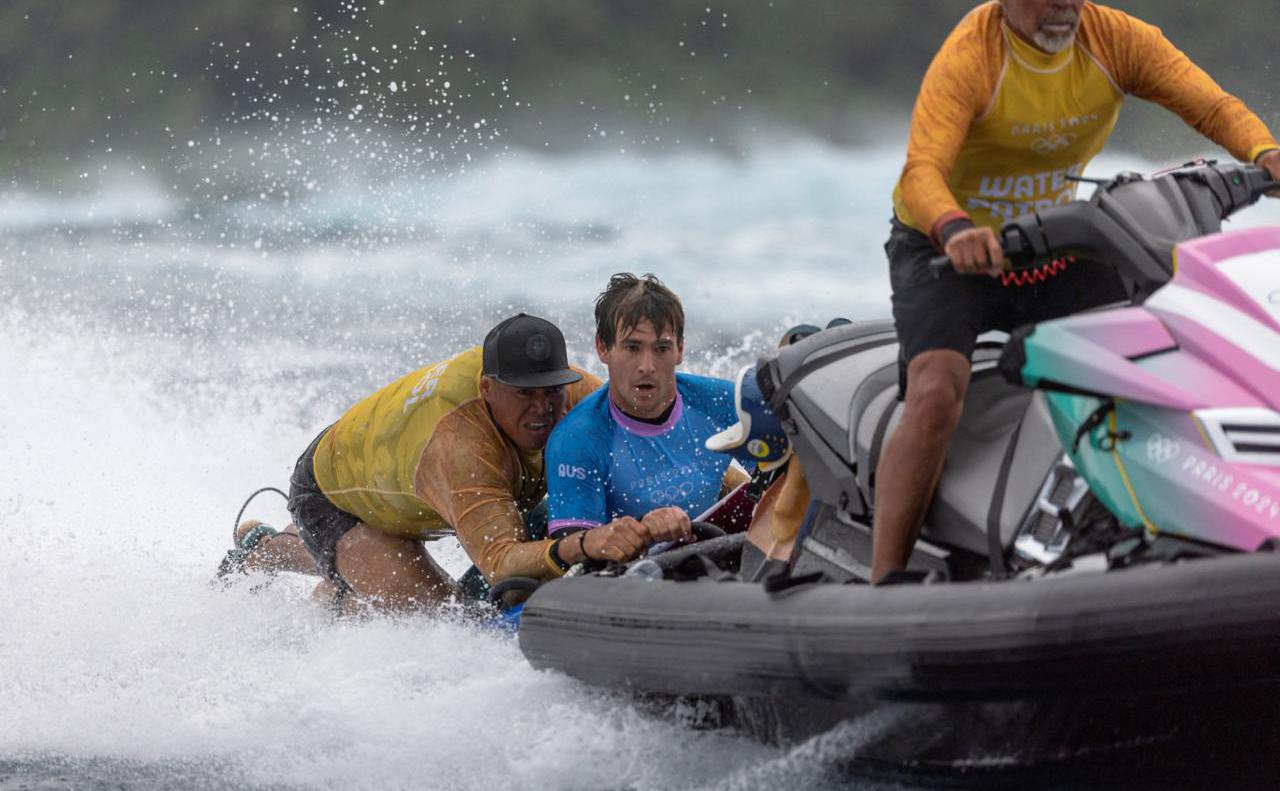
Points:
(602, 464)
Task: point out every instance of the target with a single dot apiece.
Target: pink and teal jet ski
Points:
(1097, 582)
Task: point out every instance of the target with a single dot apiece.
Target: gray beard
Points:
(1053, 44)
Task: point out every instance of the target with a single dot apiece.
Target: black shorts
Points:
(320, 523)
(950, 311)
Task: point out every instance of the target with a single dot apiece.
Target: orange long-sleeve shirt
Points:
(999, 125)
(422, 458)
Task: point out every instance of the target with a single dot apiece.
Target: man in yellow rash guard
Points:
(1021, 96)
(453, 448)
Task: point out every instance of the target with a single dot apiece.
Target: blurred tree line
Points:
(136, 76)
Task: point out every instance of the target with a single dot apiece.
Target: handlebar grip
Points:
(705, 531)
(939, 264)
(1258, 181)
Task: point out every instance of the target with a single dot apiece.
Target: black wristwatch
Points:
(553, 552)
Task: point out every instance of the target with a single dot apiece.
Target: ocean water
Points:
(166, 352)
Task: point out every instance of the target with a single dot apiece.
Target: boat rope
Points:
(249, 499)
(1106, 408)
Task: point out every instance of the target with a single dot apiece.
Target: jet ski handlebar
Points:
(1133, 222)
(1014, 246)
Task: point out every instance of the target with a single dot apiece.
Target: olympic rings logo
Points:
(1052, 143)
(1161, 449)
(670, 495)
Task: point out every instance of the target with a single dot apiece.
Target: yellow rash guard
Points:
(422, 458)
(999, 125)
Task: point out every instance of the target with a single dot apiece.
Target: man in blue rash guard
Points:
(633, 451)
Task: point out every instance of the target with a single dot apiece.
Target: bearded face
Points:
(1049, 24)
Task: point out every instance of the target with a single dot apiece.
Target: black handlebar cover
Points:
(1133, 223)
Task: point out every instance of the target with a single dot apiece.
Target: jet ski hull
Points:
(1020, 672)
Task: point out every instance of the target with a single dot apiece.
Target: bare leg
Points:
(326, 593)
(912, 462)
(391, 572)
(282, 552)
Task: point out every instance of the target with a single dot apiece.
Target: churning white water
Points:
(162, 357)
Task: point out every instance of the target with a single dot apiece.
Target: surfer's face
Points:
(642, 368)
(525, 414)
(1049, 24)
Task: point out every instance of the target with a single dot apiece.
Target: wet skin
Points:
(1048, 24)
(642, 368)
(525, 414)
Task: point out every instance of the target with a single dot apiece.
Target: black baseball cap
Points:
(526, 351)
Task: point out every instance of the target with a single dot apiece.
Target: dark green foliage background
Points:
(79, 77)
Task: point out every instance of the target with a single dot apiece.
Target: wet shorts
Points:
(320, 523)
(950, 311)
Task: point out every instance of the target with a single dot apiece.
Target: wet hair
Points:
(629, 300)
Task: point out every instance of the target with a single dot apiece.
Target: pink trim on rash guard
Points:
(557, 525)
(643, 429)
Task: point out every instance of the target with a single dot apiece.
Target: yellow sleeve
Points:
(469, 477)
(956, 90)
(1147, 65)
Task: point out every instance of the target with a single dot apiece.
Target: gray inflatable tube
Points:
(1085, 662)
(1206, 621)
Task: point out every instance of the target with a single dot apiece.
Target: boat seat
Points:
(985, 483)
(841, 397)
(820, 386)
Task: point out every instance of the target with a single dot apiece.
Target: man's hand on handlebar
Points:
(667, 524)
(976, 250)
(1270, 162)
(620, 540)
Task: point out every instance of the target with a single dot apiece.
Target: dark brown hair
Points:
(629, 300)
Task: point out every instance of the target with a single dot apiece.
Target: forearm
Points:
(936, 138)
(502, 560)
(1232, 125)
(618, 541)
(1165, 75)
(928, 198)
(571, 548)
(493, 536)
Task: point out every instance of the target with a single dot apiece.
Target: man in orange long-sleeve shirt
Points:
(451, 449)
(1019, 99)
